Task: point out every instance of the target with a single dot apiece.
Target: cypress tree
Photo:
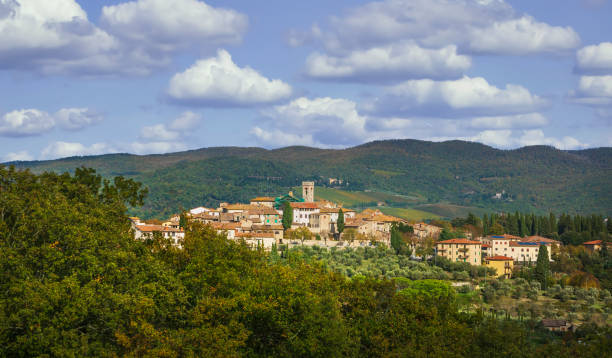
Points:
(340, 222)
(287, 215)
(542, 268)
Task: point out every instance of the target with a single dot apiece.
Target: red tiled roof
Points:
(304, 205)
(486, 245)
(594, 242)
(499, 258)
(460, 241)
(262, 199)
(540, 239)
(153, 228)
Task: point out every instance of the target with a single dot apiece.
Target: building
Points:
(557, 325)
(503, 265)
(308, 191)
(264, 201)
(320, 223)
(499, 244)
(460, 250)
(264, 240)
(144, 231)
(422, 230)
(593, 246)
(302, 212)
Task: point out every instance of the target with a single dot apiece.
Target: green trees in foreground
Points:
(73, 282)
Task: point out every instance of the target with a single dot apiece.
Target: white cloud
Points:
(167, 26)
(69, 149)
(511, 139)
(522, 36)
(56, 37)
(466, 97)
(282, 139)
(394, 62)
(77, 118)
(218, 81)
(528, 120)
(30, 122)
(156, 147)
(593, 91)
(320, 121)
(490, 26)
(595, 59)
(17, 156)
(25, 122)
(178, 128)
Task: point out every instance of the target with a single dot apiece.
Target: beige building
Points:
(320, 223)
(460, 250)
(308, 191)
(263, 201)
(422, 230)
(503, 265)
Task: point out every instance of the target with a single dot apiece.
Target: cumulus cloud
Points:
(389, 63)
(522, 36)
(478, 26)
(17, 156)
(512, 139)
(320, 121)
(56, 37)
(156, 147)
(466, 97)
(69, 149)
(529, 120)
(593, 91)
(166, 26)
(178, 128)
(31, 122)
(595, 59)
(77, 118)
(218, 81)
(25, 122)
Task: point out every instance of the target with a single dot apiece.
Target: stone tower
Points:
(308, 191)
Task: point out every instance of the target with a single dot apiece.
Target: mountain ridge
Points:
(533, 178)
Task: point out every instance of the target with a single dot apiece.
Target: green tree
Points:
(287, 215)
(183, 221)
(542, 269)
(340, 221)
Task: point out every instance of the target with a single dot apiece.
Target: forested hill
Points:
(535, 178)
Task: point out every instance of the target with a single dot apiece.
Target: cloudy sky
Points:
(81, 77)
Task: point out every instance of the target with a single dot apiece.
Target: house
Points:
(460, 250)
(423, 230)
(499, 244)
(264, 228)
(320, 223)
(144, 231)
(503, 265)
(557, 325)
(593, 246)
(263, 214)
(228, 228)
(267, 201)
(264, 240)
(200, 209)
(302, 212)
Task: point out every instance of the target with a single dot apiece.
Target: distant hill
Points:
(451, 175)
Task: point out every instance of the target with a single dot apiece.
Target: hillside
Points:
(534, 179)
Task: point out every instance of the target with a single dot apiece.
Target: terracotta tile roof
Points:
(263, 199)
(242, 207)
(267, 227)
(304, 205)
(505, 237)
(225, 226)
(460, 241)
(263, 210)
(255, 234)
(154, 228)
(499, 258)
(554, 322)
(594, 242)
(540, 239)
(524, 244)
(485, 246)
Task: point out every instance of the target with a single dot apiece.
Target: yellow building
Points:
(463, 250)
(503, 265)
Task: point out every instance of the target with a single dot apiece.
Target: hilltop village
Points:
(260, 223)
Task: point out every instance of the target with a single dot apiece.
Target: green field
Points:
(409, 214)
(452, 211)
(360, 198)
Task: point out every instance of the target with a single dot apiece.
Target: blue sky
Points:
(155, 76)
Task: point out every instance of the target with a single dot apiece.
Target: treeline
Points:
(569, 229)
(74, 283)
